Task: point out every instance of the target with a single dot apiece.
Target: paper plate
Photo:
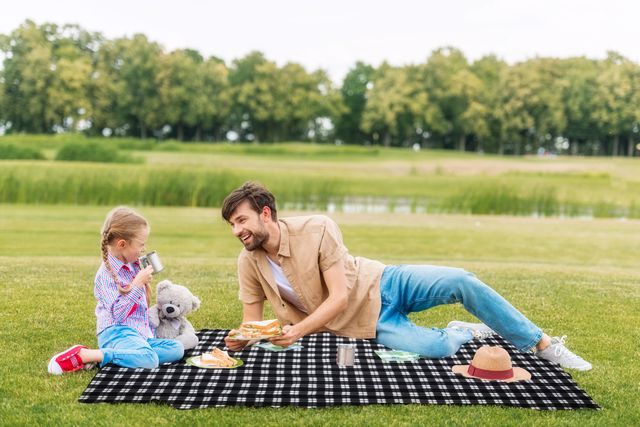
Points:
(195, 361)
(259, 337)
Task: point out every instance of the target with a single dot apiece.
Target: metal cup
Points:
(346, 355)
(152, 259)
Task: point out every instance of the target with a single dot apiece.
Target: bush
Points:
(170, 146)
(13, 152)
(133, 144)
(94, 152)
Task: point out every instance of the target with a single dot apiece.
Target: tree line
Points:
(66, 79)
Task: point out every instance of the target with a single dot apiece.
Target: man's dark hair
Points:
(257, 196)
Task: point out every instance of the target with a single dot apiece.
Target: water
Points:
(404, 205)
(362, 205)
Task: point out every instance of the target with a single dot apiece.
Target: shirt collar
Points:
(117, 265)
(284, 239)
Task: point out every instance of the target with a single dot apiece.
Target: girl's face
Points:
(129, 252)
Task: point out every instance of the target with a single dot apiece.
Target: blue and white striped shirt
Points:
(114, 308)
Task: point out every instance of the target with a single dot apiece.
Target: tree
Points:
(216, 102)
(398, 109)
(483, 118)
(275, 104)
(106, 90)
(354, 98)
(73, 57)
(329, 109)
(452, 87)
(28, 71)
(46, 73)
(533, 111)
(579, 98)
(181, 90)
(616, 99)
(128, 68)
(63, 78)
(253, 81)
(471, 114)
(301, 100)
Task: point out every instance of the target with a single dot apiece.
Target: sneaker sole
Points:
(574, 368)
(577, 369)
(52, 363)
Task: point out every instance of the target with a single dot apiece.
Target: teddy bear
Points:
(173, 303)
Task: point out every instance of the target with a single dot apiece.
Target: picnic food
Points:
(261, 329)
(217, 357)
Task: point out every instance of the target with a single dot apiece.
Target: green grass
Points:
(570, 276)
(93, 151)
(13, 152)
(316, 176)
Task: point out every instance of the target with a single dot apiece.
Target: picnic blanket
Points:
(309, 377)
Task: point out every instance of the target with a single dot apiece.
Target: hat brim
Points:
(519, 374)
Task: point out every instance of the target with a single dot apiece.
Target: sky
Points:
(334, 34)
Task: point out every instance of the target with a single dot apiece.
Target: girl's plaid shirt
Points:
(114, 308)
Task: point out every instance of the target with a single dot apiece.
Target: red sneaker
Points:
(67, 361)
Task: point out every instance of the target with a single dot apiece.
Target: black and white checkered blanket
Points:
(309, 377)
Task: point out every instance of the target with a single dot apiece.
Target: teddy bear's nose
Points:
(170, 309)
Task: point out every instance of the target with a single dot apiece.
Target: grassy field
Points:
(571, 276)
(311, 176)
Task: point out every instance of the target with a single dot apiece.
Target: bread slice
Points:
(218, 358)
(261, 328)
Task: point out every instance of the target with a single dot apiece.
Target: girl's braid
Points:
(105, 258)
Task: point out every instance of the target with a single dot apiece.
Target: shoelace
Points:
(482, 335)
(560, 350)
(477, 335)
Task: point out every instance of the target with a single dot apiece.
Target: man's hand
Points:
(234, 345)
(290, 334)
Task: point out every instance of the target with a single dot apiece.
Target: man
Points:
(301, 266)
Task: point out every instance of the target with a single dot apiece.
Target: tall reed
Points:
(498, 198)
(107, 184)
(159, 185)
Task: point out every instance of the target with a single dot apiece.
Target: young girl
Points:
(123, 293)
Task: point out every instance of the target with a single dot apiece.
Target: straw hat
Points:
(492, 364)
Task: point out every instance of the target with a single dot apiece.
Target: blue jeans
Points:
(410, 288)
(125, 347)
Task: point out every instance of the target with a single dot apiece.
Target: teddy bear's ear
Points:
(196, 303)
(163, 285)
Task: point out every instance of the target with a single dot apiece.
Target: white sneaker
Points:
(480, 331)
(558, 353)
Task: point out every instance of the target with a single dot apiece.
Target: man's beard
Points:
(257, 240)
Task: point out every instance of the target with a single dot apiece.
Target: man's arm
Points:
(250, 312)
(336, 280)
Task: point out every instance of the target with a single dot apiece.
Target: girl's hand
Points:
(143, 277)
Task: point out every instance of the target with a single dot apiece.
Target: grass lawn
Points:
(372, 178)
(571, 276)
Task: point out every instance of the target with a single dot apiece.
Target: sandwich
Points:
(217, 358)
(261, 329)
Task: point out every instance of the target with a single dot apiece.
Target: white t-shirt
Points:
(285, 288)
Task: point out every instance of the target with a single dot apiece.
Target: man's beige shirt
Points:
(310, 245)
